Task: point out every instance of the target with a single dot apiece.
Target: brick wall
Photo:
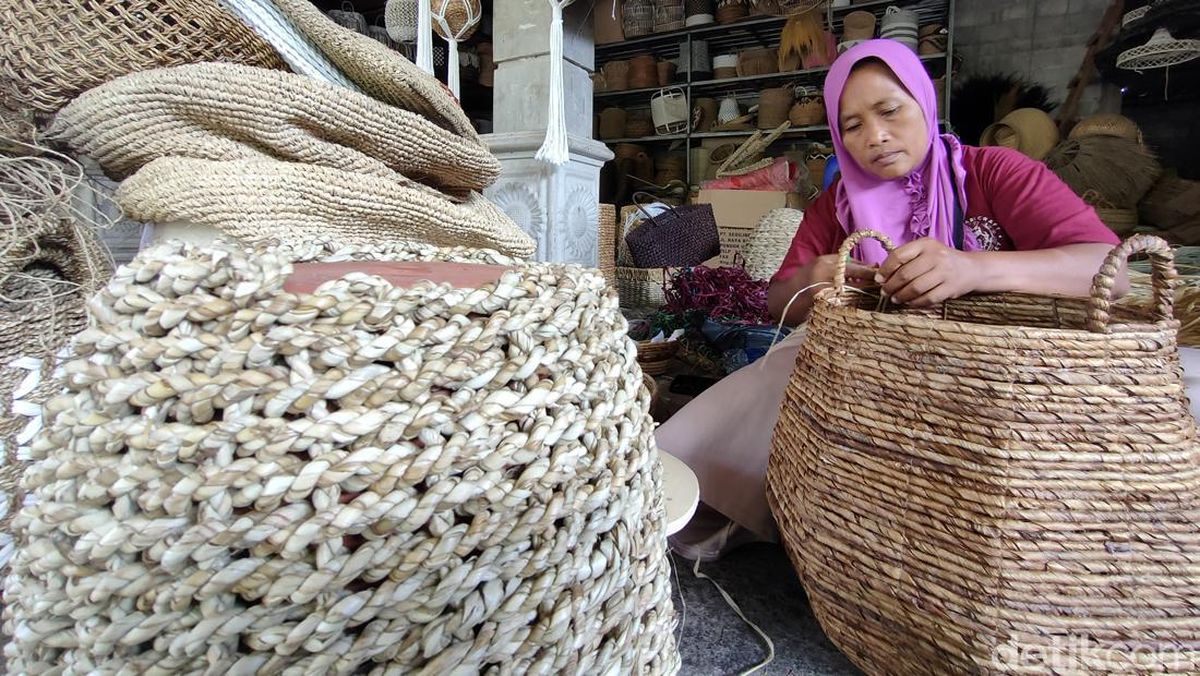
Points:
(1040, 40)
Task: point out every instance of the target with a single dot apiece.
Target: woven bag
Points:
(55, 49)
(264, 479)
(965, 487)
(267, 200)
(225, 112)
(678, 237)
(381, 72)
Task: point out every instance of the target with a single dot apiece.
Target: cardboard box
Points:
(738, 213)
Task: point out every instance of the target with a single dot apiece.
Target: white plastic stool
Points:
(682, 492)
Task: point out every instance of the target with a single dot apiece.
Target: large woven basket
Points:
(641, 288)
(221, 111)
(404, 479)
(257, 201)
(54, 50)
(1001, 479)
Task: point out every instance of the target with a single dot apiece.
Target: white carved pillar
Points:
(557, 206)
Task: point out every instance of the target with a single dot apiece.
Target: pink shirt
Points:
(1013, 204)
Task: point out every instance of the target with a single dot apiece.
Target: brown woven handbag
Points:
(1003, 484)
(677, 238)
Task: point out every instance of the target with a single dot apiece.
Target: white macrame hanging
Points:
(554, 149)
(400, 17)
(424, 37)
(455, 20)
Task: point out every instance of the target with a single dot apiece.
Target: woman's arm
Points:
(818, 272)
(926, 272)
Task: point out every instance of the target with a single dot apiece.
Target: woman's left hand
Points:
(927, 272)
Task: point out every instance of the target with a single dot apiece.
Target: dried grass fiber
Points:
(1119, 170)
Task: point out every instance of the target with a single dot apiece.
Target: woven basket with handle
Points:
(962, 485)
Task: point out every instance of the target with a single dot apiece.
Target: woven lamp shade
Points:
(461, 18)
(358, 476)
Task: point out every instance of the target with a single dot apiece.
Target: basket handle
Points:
(839, 270)
(640, 206)
(1162, 279)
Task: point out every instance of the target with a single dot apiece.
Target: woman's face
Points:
(882, 126)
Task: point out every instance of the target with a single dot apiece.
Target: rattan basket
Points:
(961, 486)
(655, 358)
(637, 18)
(54, 50)
(758, 61)
(616, 75)
(774, 104)
(641, 288)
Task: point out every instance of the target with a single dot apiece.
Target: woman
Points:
(963, 219)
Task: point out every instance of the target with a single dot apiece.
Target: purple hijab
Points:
(918, 205)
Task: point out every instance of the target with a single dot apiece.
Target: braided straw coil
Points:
(265, 200)
(966, 482)
(224, 112)
(381, 72)
(55, 49)
(245, 479)
(769, 242)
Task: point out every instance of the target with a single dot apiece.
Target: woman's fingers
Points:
(911, 271)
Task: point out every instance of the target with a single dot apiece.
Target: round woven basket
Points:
(668, 15)
(704, 114)
(962, 485)
(758, 61)
(612, 123)
(1029, 130)
(808, 111)
(616, 75)
(405, 478)
(53, 51)
(774, 106)
(725, 66)
(933, 39)
(1106, 124)
(655, 358)
(640, 288)
(199, 111)
(643, 71)
(858, 25)
(638, 125)
(1107, 170)
(731, 11)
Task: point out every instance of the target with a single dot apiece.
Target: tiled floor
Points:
(759, 577)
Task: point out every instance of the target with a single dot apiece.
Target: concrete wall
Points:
(1040, 40)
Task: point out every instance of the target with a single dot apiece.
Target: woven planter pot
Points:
(758, 61)
(54, 50)
(637, 18)
(773, 106)
(961, 486)
(201, 111)
(258, 201)
(406, 478)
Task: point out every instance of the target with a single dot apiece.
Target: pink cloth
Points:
(867, 202)
(1014, 203)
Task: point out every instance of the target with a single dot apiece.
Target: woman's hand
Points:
(857, 274)
(811, 278)
(927, 272)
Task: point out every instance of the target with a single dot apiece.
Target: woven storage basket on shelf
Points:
(639, 125)
(668, 15)
(730, 11)
(612, 123)
(258, 201)
(758, 61)
(223, 111)
(616, 75)
(54, 50)
(637, 18)
(808, 111)
(961, 486)
(405, 479)
(774, 104)
(643, 71)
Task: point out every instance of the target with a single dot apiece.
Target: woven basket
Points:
(1108, 170)
(655, 358)
(400, 478)
(381, 72)
(606, 249)
(267, 200)
(731, 11)
(1106, 124)
(758, 61)
(773, 106)
(616, 75)
(640, 288)
(1029, 130)
(225, 111)
(54, 50)
(769, 242)
(666, 72)
(637, 18)
(808, 111)
(639, 125)
(643, 71)
(933, 39)
(961, 486)
(1120, 221)
(612, 123)
(668, 15)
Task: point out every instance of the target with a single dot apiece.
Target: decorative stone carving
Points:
(522, 205)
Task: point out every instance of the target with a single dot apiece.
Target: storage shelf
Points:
(791, 131)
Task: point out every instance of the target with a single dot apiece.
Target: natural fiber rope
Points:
(54, 50)
(243, 479)
(1015, 477)
(224, 112)
(264, 200)
(381, 72)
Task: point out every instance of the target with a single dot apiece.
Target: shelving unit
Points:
(750, 33)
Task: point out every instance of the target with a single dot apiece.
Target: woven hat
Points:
(264, 200)
(858, 25)
(224, 112)
(54, 50)
(381, 72)
(1160, 51)
(263, 479)
(1029, 130)
(1106, 124)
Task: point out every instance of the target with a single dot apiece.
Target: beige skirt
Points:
(724, 434)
